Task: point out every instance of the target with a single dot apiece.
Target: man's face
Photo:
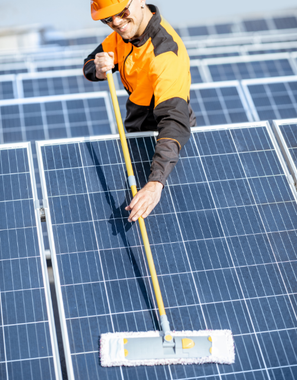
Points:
(132, 26)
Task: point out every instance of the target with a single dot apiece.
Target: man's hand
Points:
(145, 201)
(103, 63)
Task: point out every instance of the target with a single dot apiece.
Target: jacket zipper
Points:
(124, 76)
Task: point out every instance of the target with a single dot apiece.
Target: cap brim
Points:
(108, 11)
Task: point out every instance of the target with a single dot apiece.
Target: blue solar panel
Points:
(255, 25)
(223, 28)
(54, 118)
(273, 99)
(218, 105)
(28, 347)
(6, 90)
(223, 238)
(250, 69)
(289, 22)
(60, 85)
(198, 31)
(195, 74)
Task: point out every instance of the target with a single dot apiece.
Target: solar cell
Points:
(223, 238)
(272, 98)
(219, 103)
(28, 346)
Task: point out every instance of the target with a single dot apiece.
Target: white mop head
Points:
(112, 348)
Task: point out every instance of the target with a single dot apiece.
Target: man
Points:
(155, 70)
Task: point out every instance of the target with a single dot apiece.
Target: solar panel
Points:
(28, 346)
(195, 73)
(7, 89)
(272, 98)
(255, 25)
(223, 28)
(223, 238)
(250, 67)
(289, 22)
(286, 132)
(219, 103)
(55, 117)
(58, 83)
(198, 31)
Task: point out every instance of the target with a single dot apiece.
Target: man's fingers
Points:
(137, 209)
(145, 201)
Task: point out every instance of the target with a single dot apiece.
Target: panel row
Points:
(91, 113)
(267, 24)
(56, 58)
(208, 70)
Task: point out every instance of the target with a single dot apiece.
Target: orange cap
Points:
(106, 8)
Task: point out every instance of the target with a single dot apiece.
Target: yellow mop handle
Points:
(130, 172)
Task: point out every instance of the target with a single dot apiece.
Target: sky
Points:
(75, 14)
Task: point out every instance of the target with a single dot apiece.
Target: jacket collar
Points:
(150, 30)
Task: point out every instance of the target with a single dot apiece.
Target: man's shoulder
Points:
(166, 39)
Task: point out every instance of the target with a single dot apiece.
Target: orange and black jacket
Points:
(155, 71)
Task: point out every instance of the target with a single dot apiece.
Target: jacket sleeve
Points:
(171, 80)
(89, 69)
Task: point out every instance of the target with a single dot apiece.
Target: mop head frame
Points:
(149, 348)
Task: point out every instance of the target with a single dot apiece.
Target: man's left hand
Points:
(145, 201)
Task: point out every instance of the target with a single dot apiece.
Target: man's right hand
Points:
(103, 62)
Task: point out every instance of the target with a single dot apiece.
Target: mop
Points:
(165, 346)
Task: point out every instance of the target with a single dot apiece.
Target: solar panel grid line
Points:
(15, 290)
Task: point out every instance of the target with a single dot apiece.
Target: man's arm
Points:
(174, 132)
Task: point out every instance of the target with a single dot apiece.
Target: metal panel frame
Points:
(47, 291)
(284, 147)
